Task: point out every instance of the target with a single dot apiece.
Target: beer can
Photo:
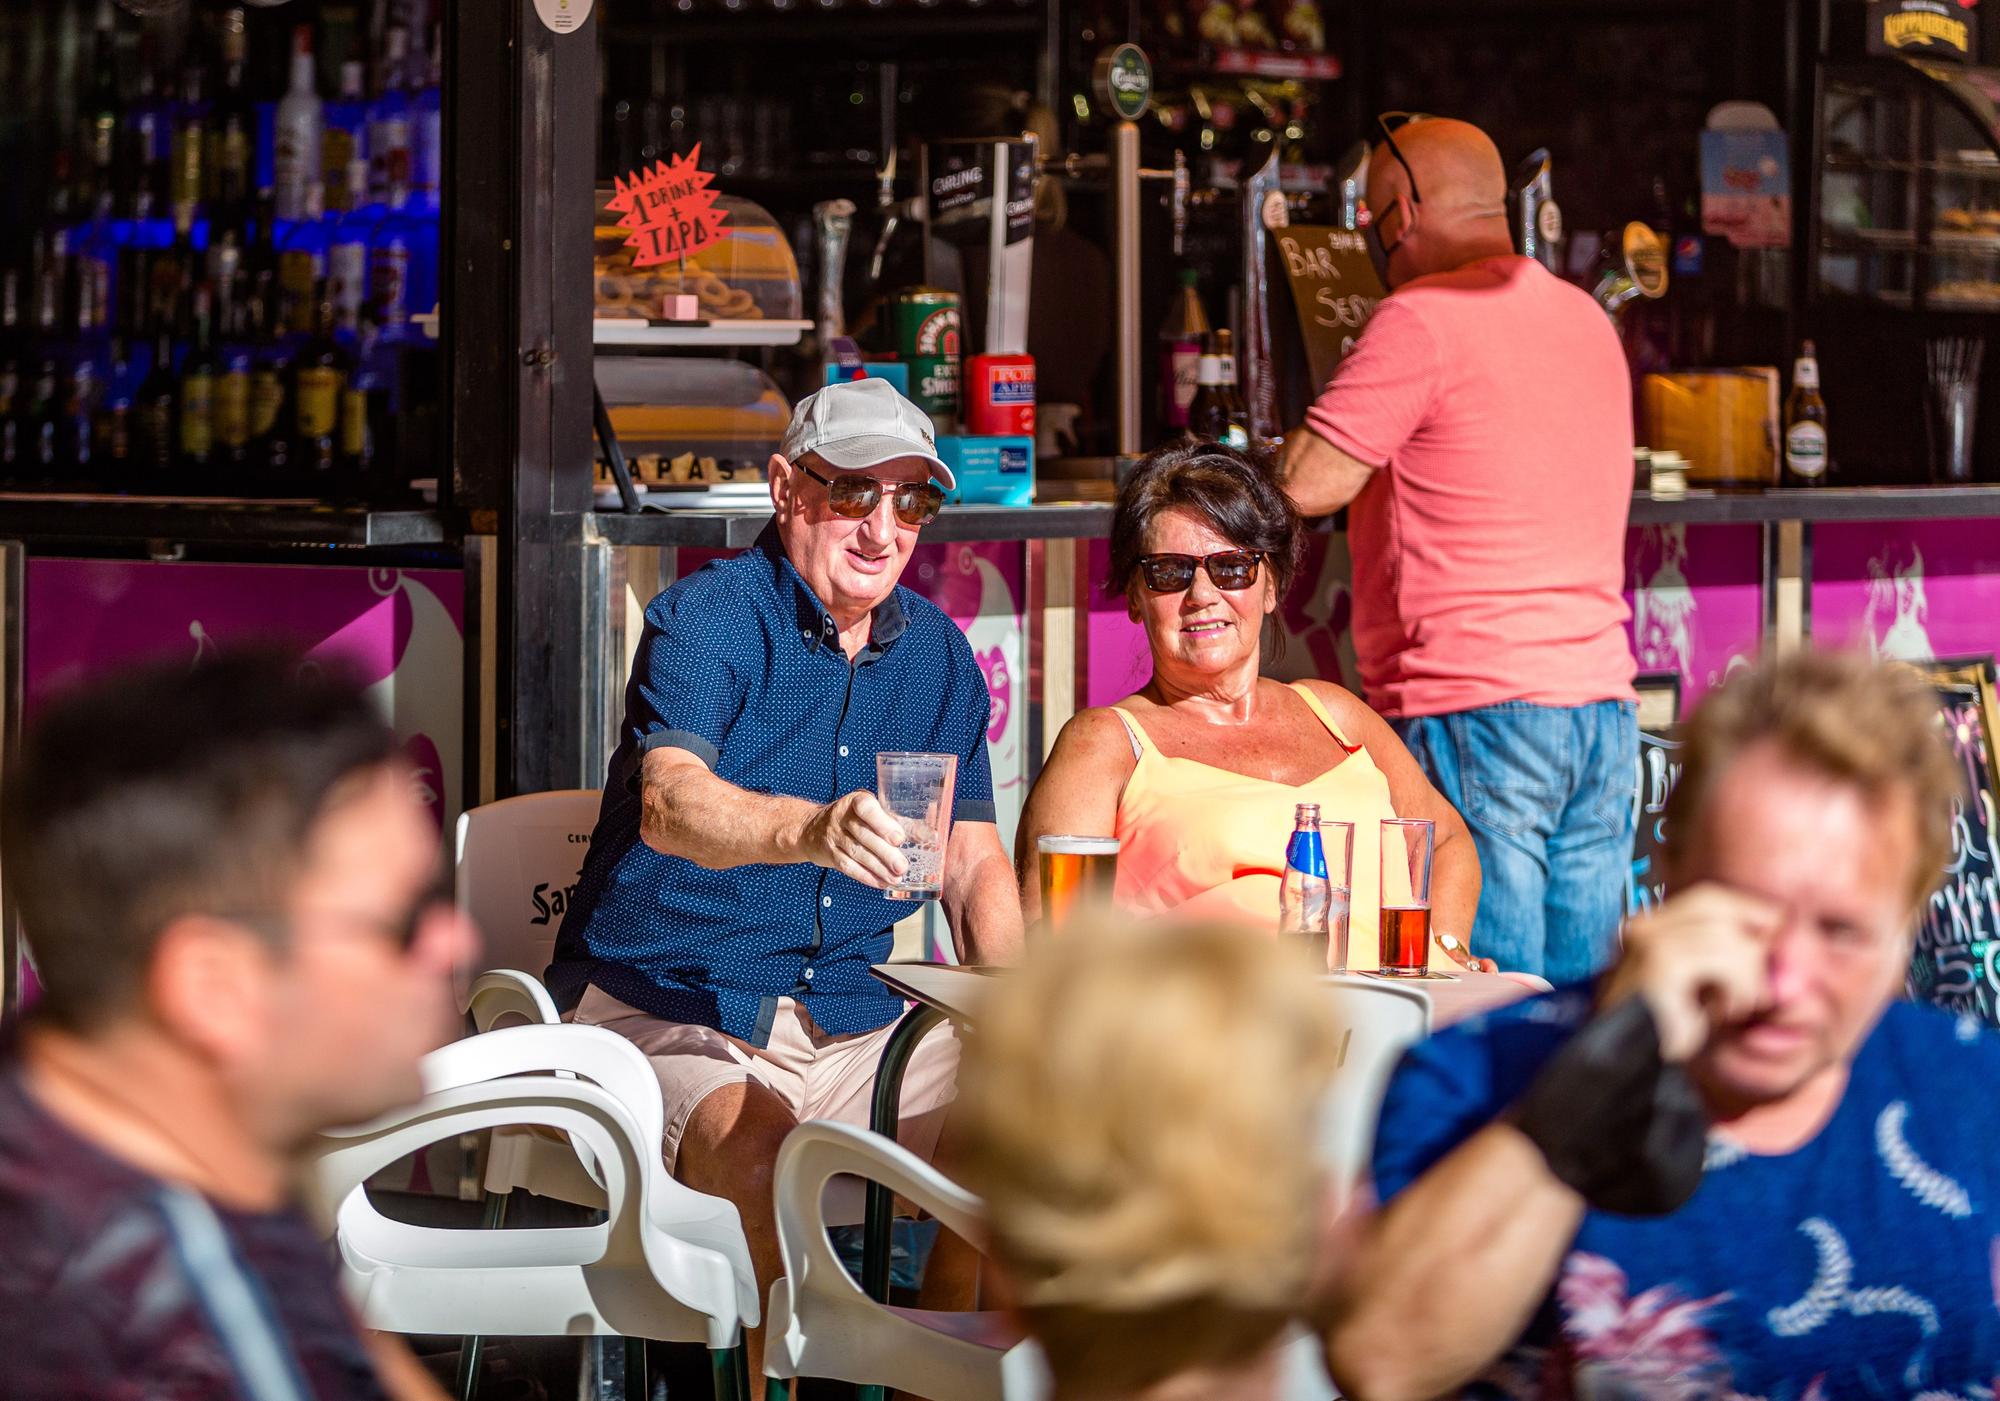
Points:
(1000, 396)
(927, 337)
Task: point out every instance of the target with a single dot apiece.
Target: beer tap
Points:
(1350, 180)
(1538, 225)
(893, 211)
(834, 220)
(1636, 267)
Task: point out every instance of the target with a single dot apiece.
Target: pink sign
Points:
(1696, 599)
(401, 630)
(1916, 590)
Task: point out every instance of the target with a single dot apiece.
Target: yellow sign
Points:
(1922, 30)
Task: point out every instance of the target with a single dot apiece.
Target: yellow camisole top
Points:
(1201, 841)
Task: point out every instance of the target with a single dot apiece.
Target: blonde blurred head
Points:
(1140, 1106)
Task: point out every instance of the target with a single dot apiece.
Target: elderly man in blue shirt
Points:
(733, 898)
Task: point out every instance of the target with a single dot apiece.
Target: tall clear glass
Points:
(917, 791)
(1406, 895)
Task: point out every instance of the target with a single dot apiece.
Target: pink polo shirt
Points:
(1489, 549)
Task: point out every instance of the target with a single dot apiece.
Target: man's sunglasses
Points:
(854, 497)
(1229, 570)
(1391, 123)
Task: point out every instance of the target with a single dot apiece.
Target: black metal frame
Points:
(522, 162)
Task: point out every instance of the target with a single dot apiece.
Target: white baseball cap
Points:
(861, 424)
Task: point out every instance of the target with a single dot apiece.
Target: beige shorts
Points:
(816, 1074)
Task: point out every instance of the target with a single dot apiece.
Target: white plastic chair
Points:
(515, 865)
(1378, 1021)
(668, 1263)
(821, 1322)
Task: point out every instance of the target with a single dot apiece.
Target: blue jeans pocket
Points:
(1514, 764)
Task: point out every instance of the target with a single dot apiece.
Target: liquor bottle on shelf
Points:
(427, 129)
(186, 180)
(236, 361)
(76, 425)
(1181, 337)
(389, 119)
(41, 421)
(232, 129)
(302, 266)
(296, 135)
(344, 139)
(149, 138)
(12, 398)
(195, 427)
(1805, 423)
(153, 442)
(349, 247)
(102, 105)
(319, 378)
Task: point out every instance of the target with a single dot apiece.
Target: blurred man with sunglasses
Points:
(732, 900)
(1482, 432)
(231, 887)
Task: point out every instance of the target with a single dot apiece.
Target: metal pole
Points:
(1125, 257)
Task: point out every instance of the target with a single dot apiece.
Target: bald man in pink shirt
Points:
(1482, 432)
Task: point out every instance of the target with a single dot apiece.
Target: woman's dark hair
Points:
(1236, 493)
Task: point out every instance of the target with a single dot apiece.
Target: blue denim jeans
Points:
(1547, 792)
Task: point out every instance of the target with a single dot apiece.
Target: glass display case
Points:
(1909, 186)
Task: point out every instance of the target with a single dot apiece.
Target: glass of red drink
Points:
(1406, 895)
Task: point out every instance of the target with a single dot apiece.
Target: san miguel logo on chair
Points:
(1946, 29)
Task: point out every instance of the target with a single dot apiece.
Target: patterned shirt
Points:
(118, 1287)
(1861, 1265)
(741, 665)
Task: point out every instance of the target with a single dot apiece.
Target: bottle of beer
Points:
(101, 105)
(1213, 417)
(1239, 412)
(1805, 423)
(1181, 337)
(319, 376)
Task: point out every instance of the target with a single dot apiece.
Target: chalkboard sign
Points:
(1956, 962)
(1659, 771)
(1334, 287)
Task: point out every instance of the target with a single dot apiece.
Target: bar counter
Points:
(734, 529)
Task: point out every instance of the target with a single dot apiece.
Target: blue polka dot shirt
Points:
(740, 665)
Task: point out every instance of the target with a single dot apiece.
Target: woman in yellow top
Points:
(1199, 773)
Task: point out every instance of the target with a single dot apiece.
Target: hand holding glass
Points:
(917, 791)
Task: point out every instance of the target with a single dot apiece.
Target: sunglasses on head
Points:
(854, 497)
(1229, 570)
(1390, 123)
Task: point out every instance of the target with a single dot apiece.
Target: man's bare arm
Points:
(1449, 1274)
(687, 811)
(1318, 476)
(981, 902)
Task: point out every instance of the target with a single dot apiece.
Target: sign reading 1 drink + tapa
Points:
(1933, 29)
(669, 210)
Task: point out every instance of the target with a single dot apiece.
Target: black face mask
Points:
(1378, 255)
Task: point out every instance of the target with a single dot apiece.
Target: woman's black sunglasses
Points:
(1229, 570)
(853, 497)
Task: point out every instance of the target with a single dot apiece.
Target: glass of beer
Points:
(917, 789)
(1406, 895)
(1077, 872)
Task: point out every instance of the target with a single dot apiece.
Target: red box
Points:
(1000, 396)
